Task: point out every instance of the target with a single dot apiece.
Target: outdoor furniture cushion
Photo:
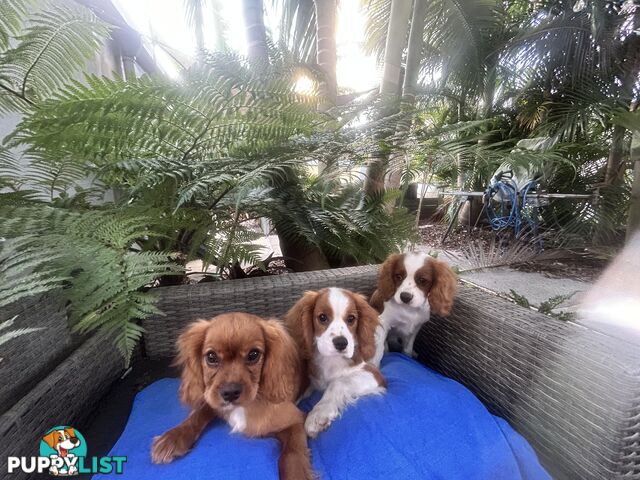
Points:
(425, 427)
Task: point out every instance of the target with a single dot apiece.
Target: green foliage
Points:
(547, 306)
(338, 218)
(550, 304)
(12, 14)
(45, 51)
(192, 163)
(297, 28)
(91, 255)
(519, 299)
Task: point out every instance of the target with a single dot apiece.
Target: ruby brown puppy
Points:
(335, 330)
(247, 372)
(410, 287)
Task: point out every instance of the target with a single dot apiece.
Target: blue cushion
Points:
(425, 427)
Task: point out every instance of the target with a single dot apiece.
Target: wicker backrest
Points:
(266, 296)
(572, 392)
(66, 396)
(27, 359)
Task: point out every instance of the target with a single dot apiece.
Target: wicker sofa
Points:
(572, 392)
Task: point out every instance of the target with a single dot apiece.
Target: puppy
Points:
(410, 287)
(335, 330)
(246, 371)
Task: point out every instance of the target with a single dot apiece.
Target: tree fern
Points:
(90, 255)
(42, 54)
(12, 15)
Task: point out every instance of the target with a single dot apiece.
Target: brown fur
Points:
(377, 375)
(270, 386)
(302, 321)
(366, 329)
(387, 281)
(443, 289)
(435, 279)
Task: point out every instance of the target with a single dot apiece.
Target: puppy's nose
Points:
(406, 297)
(340, 343)
(230, 392)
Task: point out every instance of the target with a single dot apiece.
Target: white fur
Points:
(412, 262)
(344, 388)
(338, 327)
(343, 383)
(237, 420)
(405, 318)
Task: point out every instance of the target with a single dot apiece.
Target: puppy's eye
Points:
(322, 318)
(398, 276)
(253, 356)
(212, 359)
(351, 319)
(422, 281)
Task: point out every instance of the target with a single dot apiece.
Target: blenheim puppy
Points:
(335, 330)
(410, 287)
(246, 371)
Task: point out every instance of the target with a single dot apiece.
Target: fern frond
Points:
(55, 44)
(88, 255)
(12, 15)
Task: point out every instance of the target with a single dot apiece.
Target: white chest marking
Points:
(237, 420)
(403, 317)
(327, 369)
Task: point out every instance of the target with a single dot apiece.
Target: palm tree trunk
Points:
(414, 51)
(410, 84)
(390, 85)
(615, 164)
(394, 47)
(326, 56)
(220, 43)
(459, 159)
(301, 256)
(633, 222)
(253, 12)
(199, 26)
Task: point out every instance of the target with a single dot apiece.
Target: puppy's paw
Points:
(319, 419)
(168, 446)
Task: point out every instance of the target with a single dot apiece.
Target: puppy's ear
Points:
(368, 322)
(50, 439)
(190, 359)
(281, 369)
(444, 288)
(299, 321)
(386, 283)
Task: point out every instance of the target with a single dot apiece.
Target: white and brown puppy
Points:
(335, 331)
(410, 287)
